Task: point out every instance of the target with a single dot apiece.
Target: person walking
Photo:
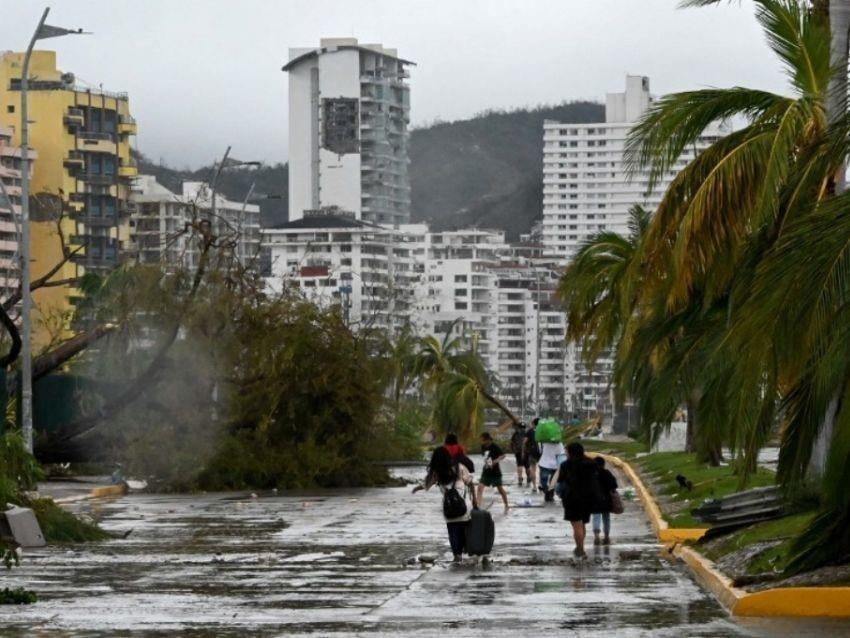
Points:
(456, 484)
(520, 454)
(551, 456)
(602, 519)
(457, 452)
(577, 483)
(532, 453)
(491, 475)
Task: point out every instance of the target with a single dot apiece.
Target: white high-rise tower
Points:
(349, 107)
(586, 187)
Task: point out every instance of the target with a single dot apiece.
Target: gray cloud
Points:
(203, 74)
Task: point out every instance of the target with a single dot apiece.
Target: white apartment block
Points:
(349, 109)
(11, 165)
(161, 217)
(333, 258)
(488, 293)
(586, 187)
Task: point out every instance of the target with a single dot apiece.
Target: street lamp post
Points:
(42, 31)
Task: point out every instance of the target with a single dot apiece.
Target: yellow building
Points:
(82, 183)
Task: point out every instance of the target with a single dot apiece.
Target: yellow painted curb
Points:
(784, 601)
(109, 490)
(796, 601)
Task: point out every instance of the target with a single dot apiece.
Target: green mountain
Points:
(485, 171)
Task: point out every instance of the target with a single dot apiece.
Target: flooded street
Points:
(342, 563)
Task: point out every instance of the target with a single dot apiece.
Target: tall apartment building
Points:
(11, 165)
(586, 187)
(82, 137)
(161, 216)
(349, 108)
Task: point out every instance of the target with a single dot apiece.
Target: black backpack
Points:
(454, 505)
(464, 460)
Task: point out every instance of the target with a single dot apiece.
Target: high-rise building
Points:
(586, 185)
(349, 108)
(10, 212)
(161, 219)
(82, 185)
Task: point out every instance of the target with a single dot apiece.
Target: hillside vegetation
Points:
(484, 171)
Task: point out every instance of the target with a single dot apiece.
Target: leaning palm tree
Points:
(459, 382)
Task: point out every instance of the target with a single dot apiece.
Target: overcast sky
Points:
(203, 74)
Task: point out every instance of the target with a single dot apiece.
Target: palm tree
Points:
(458, 380)
(757, 225)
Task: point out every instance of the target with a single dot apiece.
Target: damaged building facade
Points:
(349, 110)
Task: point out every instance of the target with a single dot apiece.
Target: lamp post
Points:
(42, 31)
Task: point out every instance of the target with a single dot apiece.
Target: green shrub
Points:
(18, 596)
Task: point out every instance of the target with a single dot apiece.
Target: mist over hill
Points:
(485, 171)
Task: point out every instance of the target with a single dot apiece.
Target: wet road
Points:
(336, 564)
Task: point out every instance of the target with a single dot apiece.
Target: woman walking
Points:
(457, 486)
(602, 519)
(576, 478)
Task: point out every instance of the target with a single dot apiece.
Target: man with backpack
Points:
(532, 453)
(523, 469)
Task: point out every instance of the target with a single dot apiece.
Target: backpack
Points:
(464, 460)
(454, 505)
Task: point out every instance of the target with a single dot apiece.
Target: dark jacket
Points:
(608, 484)
(580, 482)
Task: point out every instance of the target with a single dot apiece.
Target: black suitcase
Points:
(480, 533)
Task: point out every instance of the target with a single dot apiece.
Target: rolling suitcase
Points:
(480, 533)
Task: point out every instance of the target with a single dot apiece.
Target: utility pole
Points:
(41, 31)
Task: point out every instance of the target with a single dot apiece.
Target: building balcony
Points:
(127, 125)
(97, 142)
(74, 118)
(76, 160)
(96, 179)
(128, 168)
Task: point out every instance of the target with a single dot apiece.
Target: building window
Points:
(460, 278)
(460, 305)
(10, 108)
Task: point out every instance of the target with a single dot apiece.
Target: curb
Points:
(831, 602)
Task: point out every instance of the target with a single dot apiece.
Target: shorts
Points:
(491, 479)
(522, 461)
(576, 514)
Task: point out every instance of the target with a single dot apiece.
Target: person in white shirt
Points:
(551, 457)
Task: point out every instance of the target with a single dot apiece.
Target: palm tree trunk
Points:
(499, 405)
(836, 108)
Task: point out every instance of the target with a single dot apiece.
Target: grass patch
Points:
(61, 526)
(623, 449)
(709, 482)
(774, 559)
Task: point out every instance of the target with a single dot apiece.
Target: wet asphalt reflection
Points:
(347, 563)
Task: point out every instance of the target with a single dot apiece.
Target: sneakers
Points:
(606, 540)
(597, 540)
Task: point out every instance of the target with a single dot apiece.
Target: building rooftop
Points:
(330, 45)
